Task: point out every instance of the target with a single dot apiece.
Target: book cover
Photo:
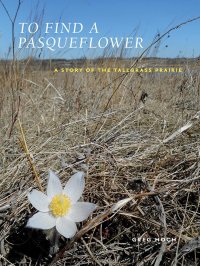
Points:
(99, 132)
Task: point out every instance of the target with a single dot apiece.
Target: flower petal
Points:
(75, 186)
(39, 200)
(41, 220)
(80, 211)
(66, 227)
(54, 186)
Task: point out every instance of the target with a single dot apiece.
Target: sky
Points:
(113, 18)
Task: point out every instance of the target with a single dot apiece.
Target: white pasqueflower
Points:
(60, 207)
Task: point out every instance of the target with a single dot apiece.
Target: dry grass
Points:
(97, 123)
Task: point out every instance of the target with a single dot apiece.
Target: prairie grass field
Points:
(135, 135)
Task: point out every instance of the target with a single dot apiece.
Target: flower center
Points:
(60, 205)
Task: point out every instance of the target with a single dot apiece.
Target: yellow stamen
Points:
(60, 205)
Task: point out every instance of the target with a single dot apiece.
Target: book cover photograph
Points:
(99, 133)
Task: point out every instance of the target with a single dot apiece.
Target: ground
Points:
(115, 128)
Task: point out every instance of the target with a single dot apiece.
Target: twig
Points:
(26, 150)
(13, 21)
(14, 118)
(6, 261)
